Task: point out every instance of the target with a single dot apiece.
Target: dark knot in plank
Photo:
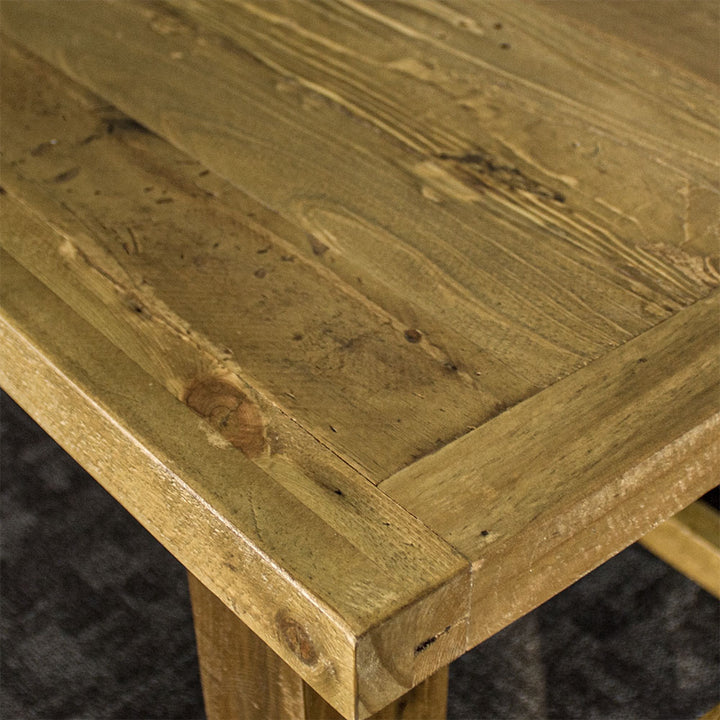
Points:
(230, 412)
(294, 635)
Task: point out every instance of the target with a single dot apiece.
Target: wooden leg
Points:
(243, 679)
(690, 542)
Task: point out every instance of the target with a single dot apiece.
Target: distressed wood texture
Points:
(332, 574)
(556, 485)
(690, 542)
(244, 679)
(681, 32)
(479, 199)
(155, 251)
(389, 319)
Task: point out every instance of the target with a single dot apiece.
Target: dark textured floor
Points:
(96, 620)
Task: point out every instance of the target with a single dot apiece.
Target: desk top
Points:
(390, 320)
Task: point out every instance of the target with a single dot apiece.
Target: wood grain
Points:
(465, 252)
(275, 552)
(553, 487)
(196, 280)
(243, 679)
(683, 33)
(498, 169)
(690, 542)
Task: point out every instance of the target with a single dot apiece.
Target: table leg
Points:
(243, 679)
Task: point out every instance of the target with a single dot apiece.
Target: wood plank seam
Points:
(401, 673)
(574, 376)
(682, 465)
(672, 270)
(217, 364)
(132, 294)
(465, 197)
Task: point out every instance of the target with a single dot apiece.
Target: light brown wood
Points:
(555, 486)
(389, 319)
(207, 285)
(498, 172)
(243, 679)
(680, 32)
(288, 559)
(712, 714)
(690, 542)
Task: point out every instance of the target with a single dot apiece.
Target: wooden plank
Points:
(243, 679)
(553, 487)
(512, 227)
(442, 167)
(427, 701)
(194, 280)
(682, 32)
(712, 714)
(316, 573)
(690, 542)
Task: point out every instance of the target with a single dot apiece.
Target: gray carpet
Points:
(96, 620)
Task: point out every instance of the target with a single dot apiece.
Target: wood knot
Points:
(230, 412)
(294, 635)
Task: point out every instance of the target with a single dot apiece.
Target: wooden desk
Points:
(389, 320)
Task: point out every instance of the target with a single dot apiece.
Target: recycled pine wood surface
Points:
(285, 551)
(261, 685)
(429, 288)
